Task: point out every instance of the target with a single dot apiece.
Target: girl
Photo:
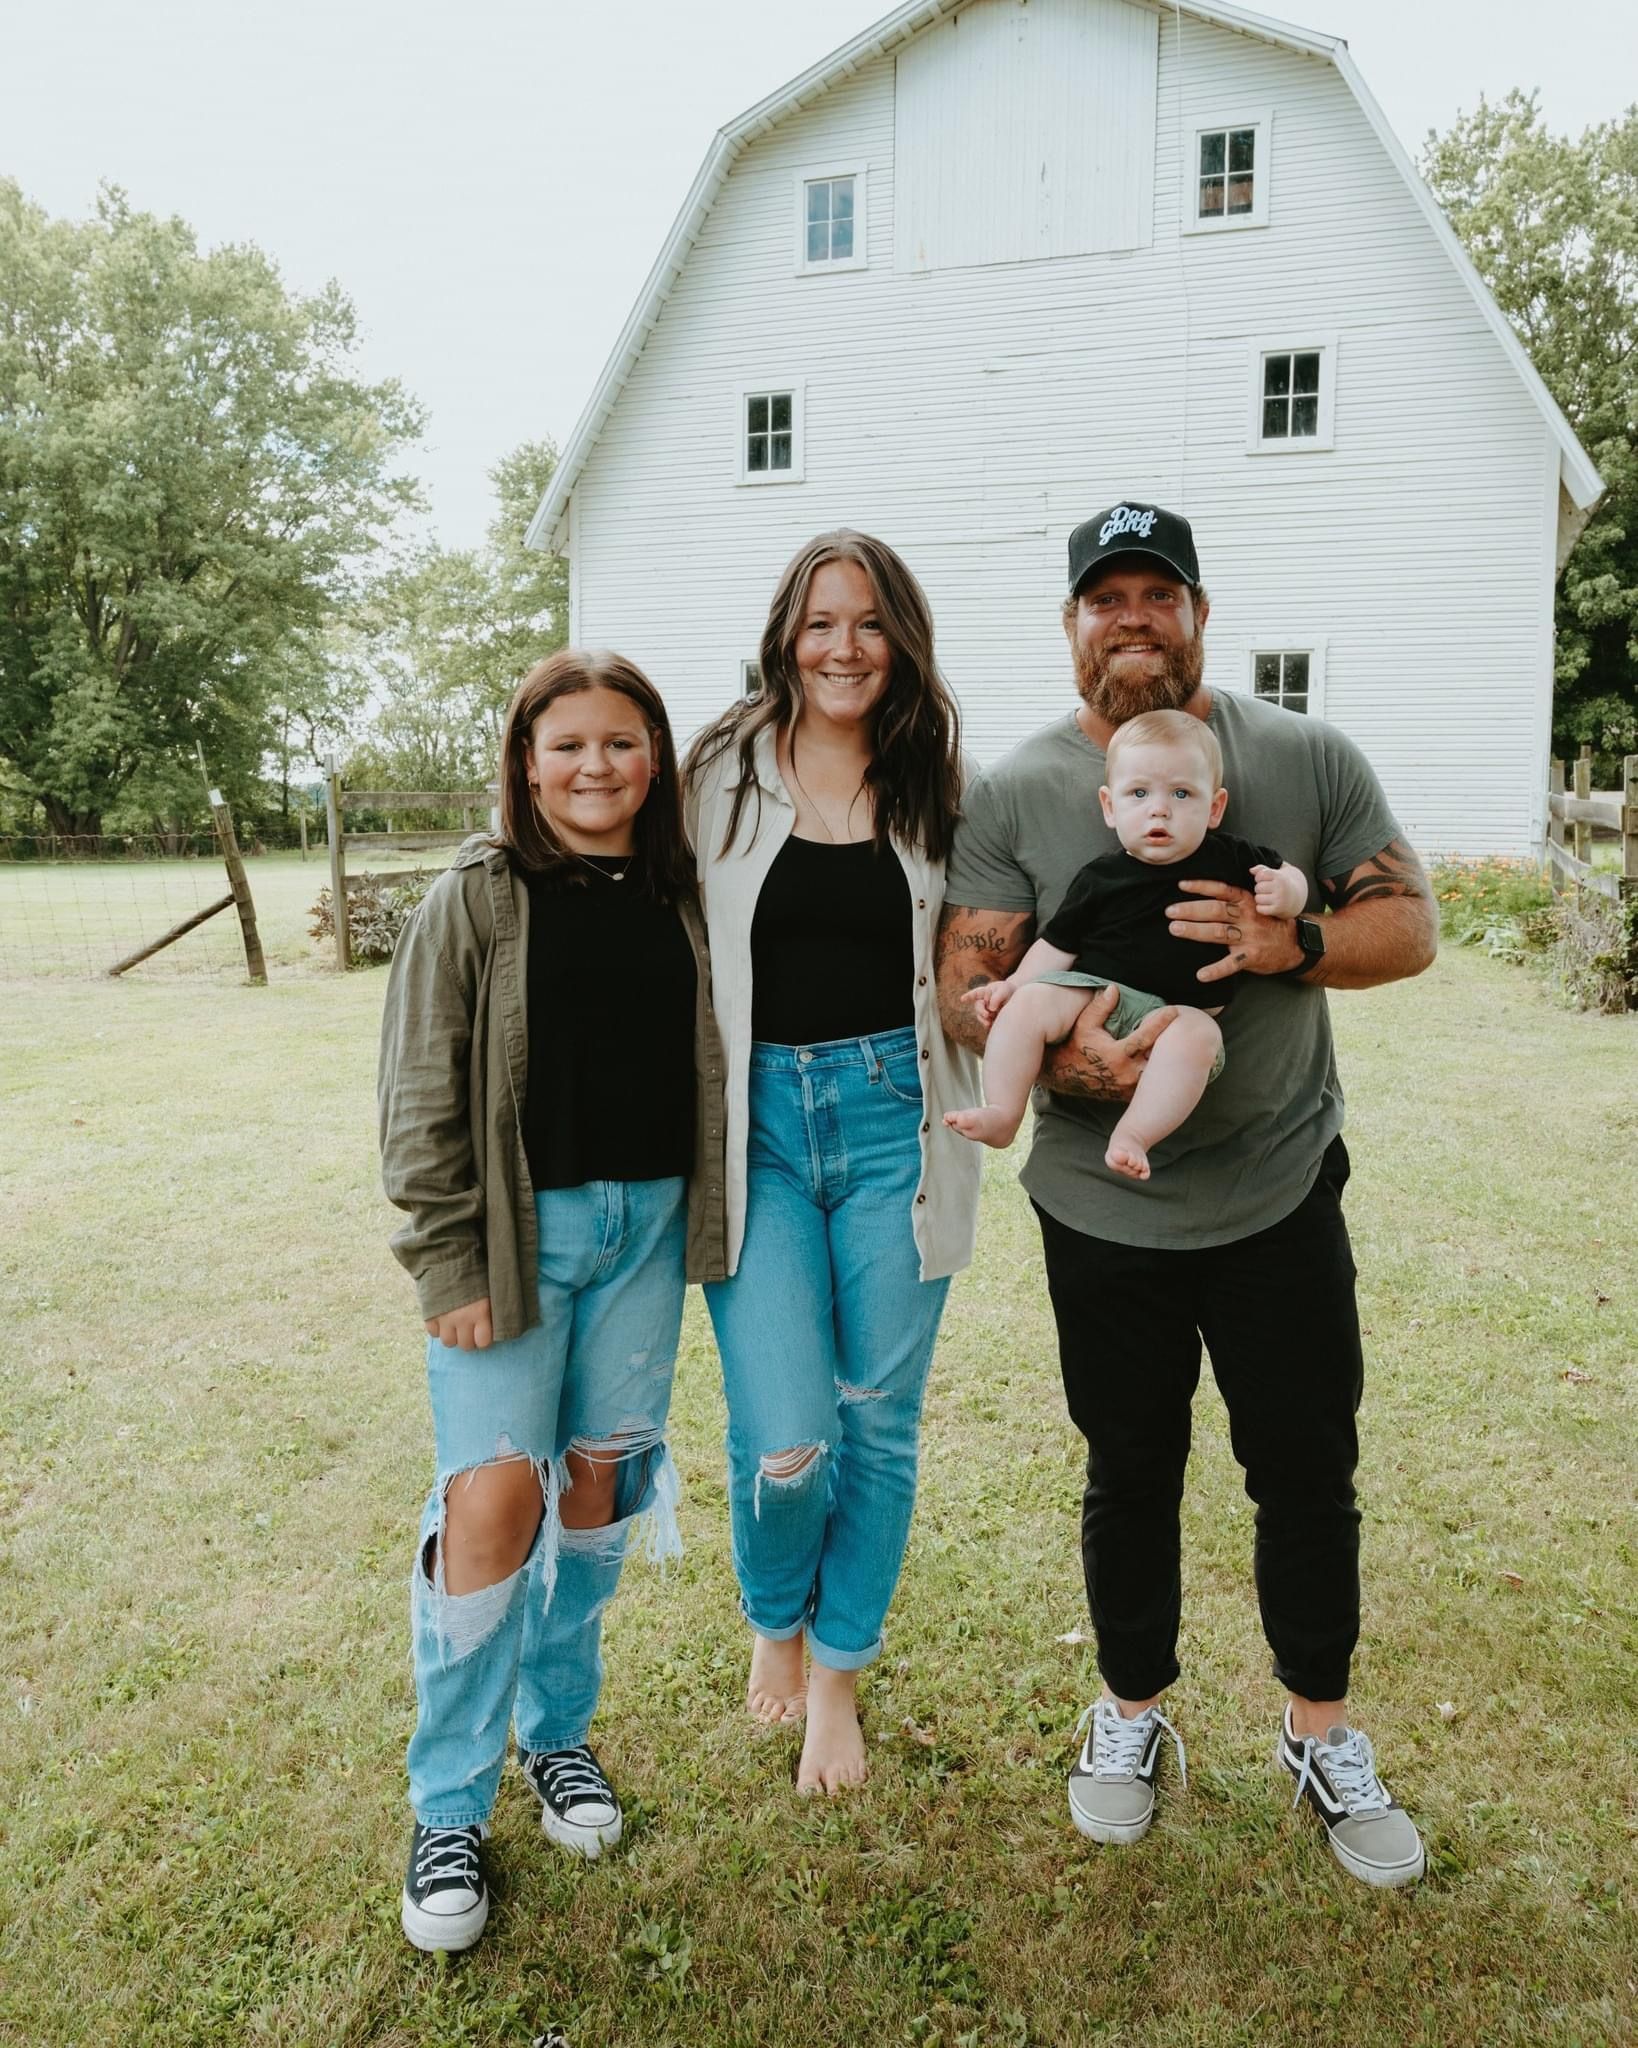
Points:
(823, 810)
(551, 1120)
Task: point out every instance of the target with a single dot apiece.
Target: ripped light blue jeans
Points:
(593, 1376)
(826, 1333)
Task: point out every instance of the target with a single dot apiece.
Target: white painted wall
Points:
(973, 415)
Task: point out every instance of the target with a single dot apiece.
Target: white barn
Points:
(998, 263)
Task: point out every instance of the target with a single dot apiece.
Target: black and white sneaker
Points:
(1372, 1836)
(578, 1809)
(1112, 1783)
(446, 1900)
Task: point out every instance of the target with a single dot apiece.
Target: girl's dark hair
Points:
(665, 869)
(914, 779)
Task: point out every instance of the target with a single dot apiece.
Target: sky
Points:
(491, 183)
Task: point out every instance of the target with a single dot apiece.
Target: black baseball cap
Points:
(1133, 529)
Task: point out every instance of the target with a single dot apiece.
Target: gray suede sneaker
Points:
(1372, 1836)
(1112, 1785)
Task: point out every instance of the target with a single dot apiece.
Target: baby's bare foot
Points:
(833, 1750)
(778, 1689)
(1126, 1155)
(984, 1126)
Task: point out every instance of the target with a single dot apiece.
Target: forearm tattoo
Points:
(1395, 871)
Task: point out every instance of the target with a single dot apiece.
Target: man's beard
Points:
(1116, 698)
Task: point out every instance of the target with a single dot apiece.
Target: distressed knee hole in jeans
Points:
(799, 1466)
(463, 1622)
(651, 1492)
(850, 1396)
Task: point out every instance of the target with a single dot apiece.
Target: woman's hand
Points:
(464, 1329)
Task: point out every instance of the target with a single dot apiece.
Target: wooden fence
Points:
(471, 803)
(1573, 817)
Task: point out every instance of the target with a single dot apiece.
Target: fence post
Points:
(1555, 826)
(1629, 828)
(493, 791)
(301, 819)
(239, 882)
(338, 865)
(1582, 845)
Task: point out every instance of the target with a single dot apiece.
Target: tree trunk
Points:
(71, 824)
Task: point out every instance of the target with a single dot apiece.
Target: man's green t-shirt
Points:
(1248, 1154)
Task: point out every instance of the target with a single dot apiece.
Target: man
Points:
(1237, 1238)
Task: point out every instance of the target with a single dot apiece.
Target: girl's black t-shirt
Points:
(832, 944)
(611, 985)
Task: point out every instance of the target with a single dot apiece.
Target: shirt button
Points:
(921, 902)
(927, 1055)
(926, 1127)
(921, 1198)
(921, 981)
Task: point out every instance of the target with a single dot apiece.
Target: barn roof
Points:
(1579, 478)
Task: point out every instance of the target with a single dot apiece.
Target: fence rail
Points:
(339, 801)
(1575, 814)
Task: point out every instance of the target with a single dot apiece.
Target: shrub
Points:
(1507, 908)
(377, 906)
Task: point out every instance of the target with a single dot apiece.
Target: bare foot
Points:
(833, 1750)
(778, 1688)
(1126, 1155)
(984, 1126)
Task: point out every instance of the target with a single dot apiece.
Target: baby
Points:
(1164, 802)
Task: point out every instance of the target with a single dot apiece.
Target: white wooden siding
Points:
(1025, 129)
(973, 415)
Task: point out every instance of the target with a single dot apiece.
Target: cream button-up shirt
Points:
(944, 1208)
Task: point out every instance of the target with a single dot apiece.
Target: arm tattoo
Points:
(1395, 871)
(991, 940)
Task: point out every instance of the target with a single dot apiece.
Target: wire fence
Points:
(70, 908)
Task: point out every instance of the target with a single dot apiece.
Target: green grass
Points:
(215, 1447)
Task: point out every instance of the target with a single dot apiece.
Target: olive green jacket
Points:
(450, 1090)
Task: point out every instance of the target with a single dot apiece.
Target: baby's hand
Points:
(990, 1000)
(1278, 892)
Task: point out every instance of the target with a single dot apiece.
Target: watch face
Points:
(1311, 938)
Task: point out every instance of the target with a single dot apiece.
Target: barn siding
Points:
(972, 415)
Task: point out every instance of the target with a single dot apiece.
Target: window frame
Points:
(1310, 343)
(1261, 646)
(750, 678)
(1261, 121)
(815, 174)
(770, 387)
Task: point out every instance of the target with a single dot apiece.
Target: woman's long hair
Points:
(914, 777)
(664, 867)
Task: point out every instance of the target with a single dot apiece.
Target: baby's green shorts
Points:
(1132, 1006)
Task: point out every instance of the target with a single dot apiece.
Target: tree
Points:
(190, 484)
(452, 635)
(1552, 226)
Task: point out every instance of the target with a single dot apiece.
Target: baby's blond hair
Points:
(1168, 729)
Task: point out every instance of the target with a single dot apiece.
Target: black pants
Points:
(1277, 1315)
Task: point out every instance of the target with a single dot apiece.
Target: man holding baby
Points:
(1232, 1235)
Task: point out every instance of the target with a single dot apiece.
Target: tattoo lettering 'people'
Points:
(1395, 871)
(992, 940)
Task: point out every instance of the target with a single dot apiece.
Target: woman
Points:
(551, 1119)
(821, 813)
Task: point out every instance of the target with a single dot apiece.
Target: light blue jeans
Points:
(593, 1376)
(826, 1334)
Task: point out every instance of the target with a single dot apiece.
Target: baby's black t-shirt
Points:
(1113, 919)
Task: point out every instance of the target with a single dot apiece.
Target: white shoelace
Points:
(448, 1856)
(1350, 1769)
(1118, 1744)
(570, 1776)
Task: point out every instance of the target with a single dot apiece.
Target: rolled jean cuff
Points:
(468, 1817)
(774, 1635)
(843, 1660)
(551, 1745)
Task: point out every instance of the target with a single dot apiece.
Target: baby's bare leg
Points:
(1040, 1014)
(1179, 1066)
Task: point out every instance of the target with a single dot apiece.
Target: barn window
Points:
(830, 218)
(770, 432)
(1225, 185)
(1293, 394)
(1292, 677)
(750, 679)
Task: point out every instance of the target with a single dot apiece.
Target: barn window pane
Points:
(1276, 376)
(1239, 195)
(818, 241)
(841, 241)
(841, 199)
(1211, 154)
(781, 412)
(819, 200)
(1266, 675)
(757, 415)
(1241, 144)
(1211, 197)
(1276, 419)
(1296, 672)
(781, 452)
(1297, 702)
(1306, 377)
(1304, 418)
(756, 453)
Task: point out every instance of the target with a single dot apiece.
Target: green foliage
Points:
(449, 637)
(1477, 896)
(1507, 909)
(190, 479)
(377, 907)
(1552, 226)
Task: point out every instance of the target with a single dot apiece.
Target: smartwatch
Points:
(1310, 934)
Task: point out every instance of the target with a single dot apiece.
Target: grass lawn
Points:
(216, 1445)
